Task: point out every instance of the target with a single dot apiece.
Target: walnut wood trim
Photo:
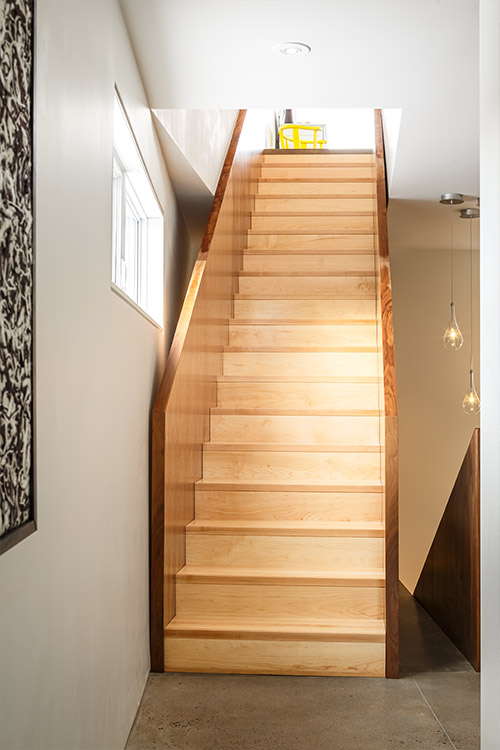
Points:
(222, 184)
(390, 406)
(449, 584)
(162, 597)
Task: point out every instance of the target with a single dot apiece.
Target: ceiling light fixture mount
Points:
(291, 49)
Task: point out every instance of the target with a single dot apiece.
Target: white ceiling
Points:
(418, 55)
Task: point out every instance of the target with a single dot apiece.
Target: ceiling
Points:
(417, 55)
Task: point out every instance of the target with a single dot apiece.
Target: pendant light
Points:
(471, 403)
(452, 337)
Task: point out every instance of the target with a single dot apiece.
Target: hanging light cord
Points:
(471, 286)
(451, 255)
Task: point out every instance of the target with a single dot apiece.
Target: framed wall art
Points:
(17, 496)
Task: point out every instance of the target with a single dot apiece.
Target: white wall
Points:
(434, 432)
(202, 136)
(74, 595)
(490, 380)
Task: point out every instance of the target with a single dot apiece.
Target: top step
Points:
(317, 158)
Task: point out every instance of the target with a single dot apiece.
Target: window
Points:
(137, 244)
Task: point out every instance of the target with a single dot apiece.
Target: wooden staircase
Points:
(285, 557)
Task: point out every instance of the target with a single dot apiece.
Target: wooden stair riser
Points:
(330, 364)
(286, 395)
(339, 554)
(333, 172)
(318, 157)
(305, 205)
(225, 656)
(269, 466)
(313, 223)
(308, 262)
(360, 286)
(316, 189)
(289, 506)
(316, 430)
(302, 335)
(276, 601)
(301, 309)
(361, 243)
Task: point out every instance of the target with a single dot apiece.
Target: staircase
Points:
(285, 556)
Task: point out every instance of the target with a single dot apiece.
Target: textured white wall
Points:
(490, 364)
(74, 595)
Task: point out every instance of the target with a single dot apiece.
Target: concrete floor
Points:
(435, 704)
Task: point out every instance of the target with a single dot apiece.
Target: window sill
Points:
(120, 293)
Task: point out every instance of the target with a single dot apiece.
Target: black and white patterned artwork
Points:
(16, 269)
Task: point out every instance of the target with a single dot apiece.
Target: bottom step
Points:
(237, 656)
(252, 646)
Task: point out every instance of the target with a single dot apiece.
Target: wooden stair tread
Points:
(317, 295)
(311, 212)
(293, 447)
(287, 528)
(308, 274)
(297, 412)
(301, 322)
(297, 379)
(196, 574)
(314, 196)
(273, 629)
(267, 486)
(328, 232)
(307, 252)
(306, 349)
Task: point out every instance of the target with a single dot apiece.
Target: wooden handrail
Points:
(162, 557)
(197, 273)
(390, 409)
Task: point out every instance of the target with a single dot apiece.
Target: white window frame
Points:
(132, 192)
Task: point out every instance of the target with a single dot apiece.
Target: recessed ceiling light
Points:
(292, 49)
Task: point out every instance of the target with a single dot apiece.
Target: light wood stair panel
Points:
(351, 223)
(286, 556)
(300, 363)
(304, 553)
(291, 466)
(306, 334)
(316, 158)
(330, 262)
(297, 395)
(306, 429)
(308, 204)
(328, 188)
(280, 602)
(335, 172)
(354, 242)
(321, 283)
(288, 506)
(260, 308)
(272, 656)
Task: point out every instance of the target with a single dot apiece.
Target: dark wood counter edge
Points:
(157, 508)
(449, 584)
(391, 424)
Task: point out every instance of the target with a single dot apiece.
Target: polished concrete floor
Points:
(435, 704)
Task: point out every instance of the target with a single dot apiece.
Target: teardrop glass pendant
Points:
(452, 338)
(471, 403)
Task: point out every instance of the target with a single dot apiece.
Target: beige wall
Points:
(434, 432)
(74, 595)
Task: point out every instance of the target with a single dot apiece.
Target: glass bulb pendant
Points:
(471, 403)
(452, 338)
